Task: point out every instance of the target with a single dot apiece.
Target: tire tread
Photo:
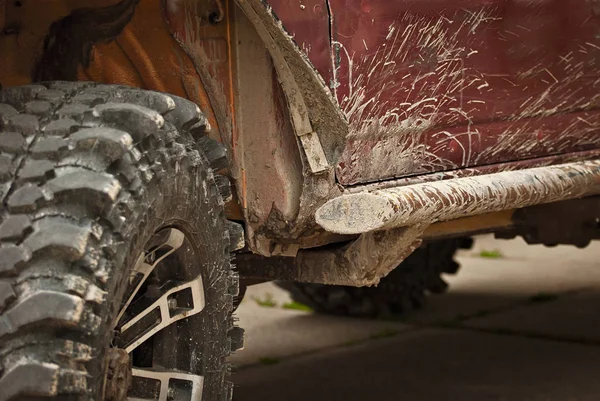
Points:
(74, 160)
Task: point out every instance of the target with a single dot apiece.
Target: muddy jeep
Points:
(145, 145)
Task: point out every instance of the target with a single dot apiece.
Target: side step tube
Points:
(428, 203)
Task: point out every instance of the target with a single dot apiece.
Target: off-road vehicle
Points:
(147, 144)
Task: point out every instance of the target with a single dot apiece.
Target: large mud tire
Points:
(89, 174)
(403, 290)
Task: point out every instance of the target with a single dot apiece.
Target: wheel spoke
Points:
(140, 272)
(163, 312)
(144, 315)
(173, 385)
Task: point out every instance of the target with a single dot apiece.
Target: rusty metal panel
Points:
(267, 152)
(207, 46)
(440, 85)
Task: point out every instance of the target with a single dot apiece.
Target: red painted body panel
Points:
(447, 84)
(310, 20)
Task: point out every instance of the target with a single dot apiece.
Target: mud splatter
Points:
(420, 70)
(426, 99)
(446, 200)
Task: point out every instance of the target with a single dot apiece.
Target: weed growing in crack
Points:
(267, 301)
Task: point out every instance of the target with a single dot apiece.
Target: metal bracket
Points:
(363, 262)
(314, 152)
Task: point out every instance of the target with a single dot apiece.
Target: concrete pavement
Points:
(521, 325)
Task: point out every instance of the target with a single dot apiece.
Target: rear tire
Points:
(96, 181)
(403, 290)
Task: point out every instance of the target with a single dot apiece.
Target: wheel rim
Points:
(158, 315)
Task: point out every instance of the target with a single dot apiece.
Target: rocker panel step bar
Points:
(428, 203)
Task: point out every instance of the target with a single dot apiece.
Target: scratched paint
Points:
(437, 86)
